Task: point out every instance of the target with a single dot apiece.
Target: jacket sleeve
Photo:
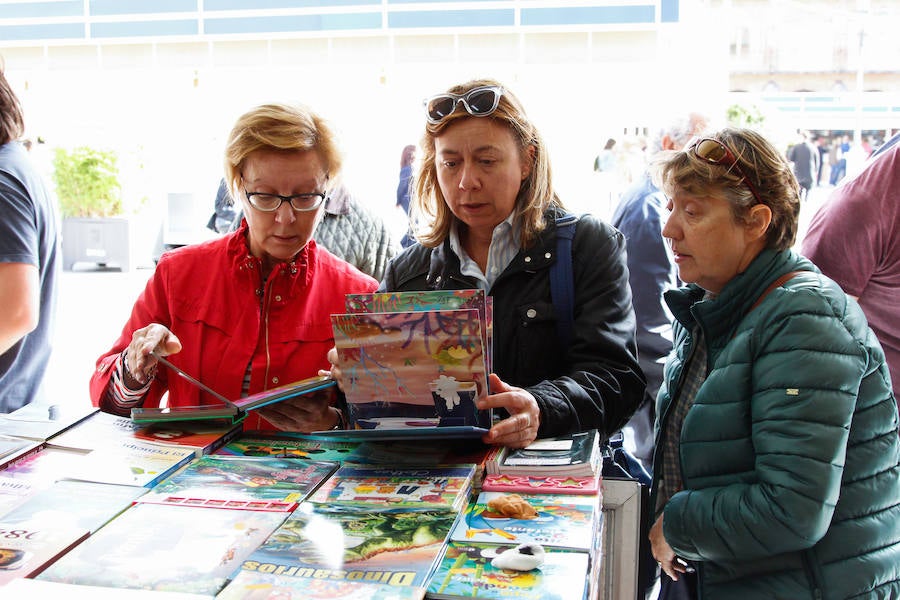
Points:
(799, 370)
(150, 307)
(602, 384)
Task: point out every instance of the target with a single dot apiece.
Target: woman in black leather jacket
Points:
(488, 214)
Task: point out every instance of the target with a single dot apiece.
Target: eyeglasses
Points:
(716, 152)
(272, 202)
(478, 102)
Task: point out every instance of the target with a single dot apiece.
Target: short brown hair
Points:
(535, 194)
(280, 127)
(769, 171)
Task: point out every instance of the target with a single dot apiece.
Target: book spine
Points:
(12, 460)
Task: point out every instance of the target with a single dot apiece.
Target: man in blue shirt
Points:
(29, 263)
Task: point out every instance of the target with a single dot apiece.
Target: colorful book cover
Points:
(75, 504)
(557, 521)
(40, 422)
(412, 370)
(466, 572)
(259, 483)
(543, 484)
(397, 547)
(445, 488)
(26, 549)
(287, 445)
(253, 585)
(389, 302)
(166, 548)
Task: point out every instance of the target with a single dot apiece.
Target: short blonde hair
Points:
(759, 160)
(535, 194)
(279, 127)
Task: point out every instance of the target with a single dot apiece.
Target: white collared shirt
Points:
(504, 247)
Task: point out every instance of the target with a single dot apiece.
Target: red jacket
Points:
(210, 296)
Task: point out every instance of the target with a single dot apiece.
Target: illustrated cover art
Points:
(287, 445)
(75, 504)
(444, 488)
(396, 547)
(166, 548)
(466, 572)
(253, 585)
(412, 370)
(26, 549)
(553, 520)
(543, 484)
(419, 300)
(261, 483)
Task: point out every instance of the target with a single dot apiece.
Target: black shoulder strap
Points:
(562, 280)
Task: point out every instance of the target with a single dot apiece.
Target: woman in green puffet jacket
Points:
(777, 466)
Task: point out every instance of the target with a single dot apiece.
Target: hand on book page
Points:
(311, 412)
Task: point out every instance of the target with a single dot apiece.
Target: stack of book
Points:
(566, 465)
(564, 527)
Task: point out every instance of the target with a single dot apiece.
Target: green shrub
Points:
(87, 182)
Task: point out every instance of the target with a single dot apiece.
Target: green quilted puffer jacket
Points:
(790, 454)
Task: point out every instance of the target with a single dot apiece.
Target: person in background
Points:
(404, 186)
(485, 189)
(29, 262)
(225, 213)
(855, 239)
(354, 233)
(804, 158)
(250, 310)
(640, 216)
(841, 149)
(606, 160)
(777, 465)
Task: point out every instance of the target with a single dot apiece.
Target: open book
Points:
(235, 410)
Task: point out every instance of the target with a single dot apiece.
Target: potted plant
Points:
(90, 201)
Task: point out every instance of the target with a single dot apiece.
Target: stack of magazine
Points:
(567, 464)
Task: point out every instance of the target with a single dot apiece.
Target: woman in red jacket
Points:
(251, 310)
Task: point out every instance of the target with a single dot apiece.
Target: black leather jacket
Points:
(596, 382)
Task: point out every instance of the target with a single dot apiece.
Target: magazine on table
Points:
(373, 544)
(465, 571)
